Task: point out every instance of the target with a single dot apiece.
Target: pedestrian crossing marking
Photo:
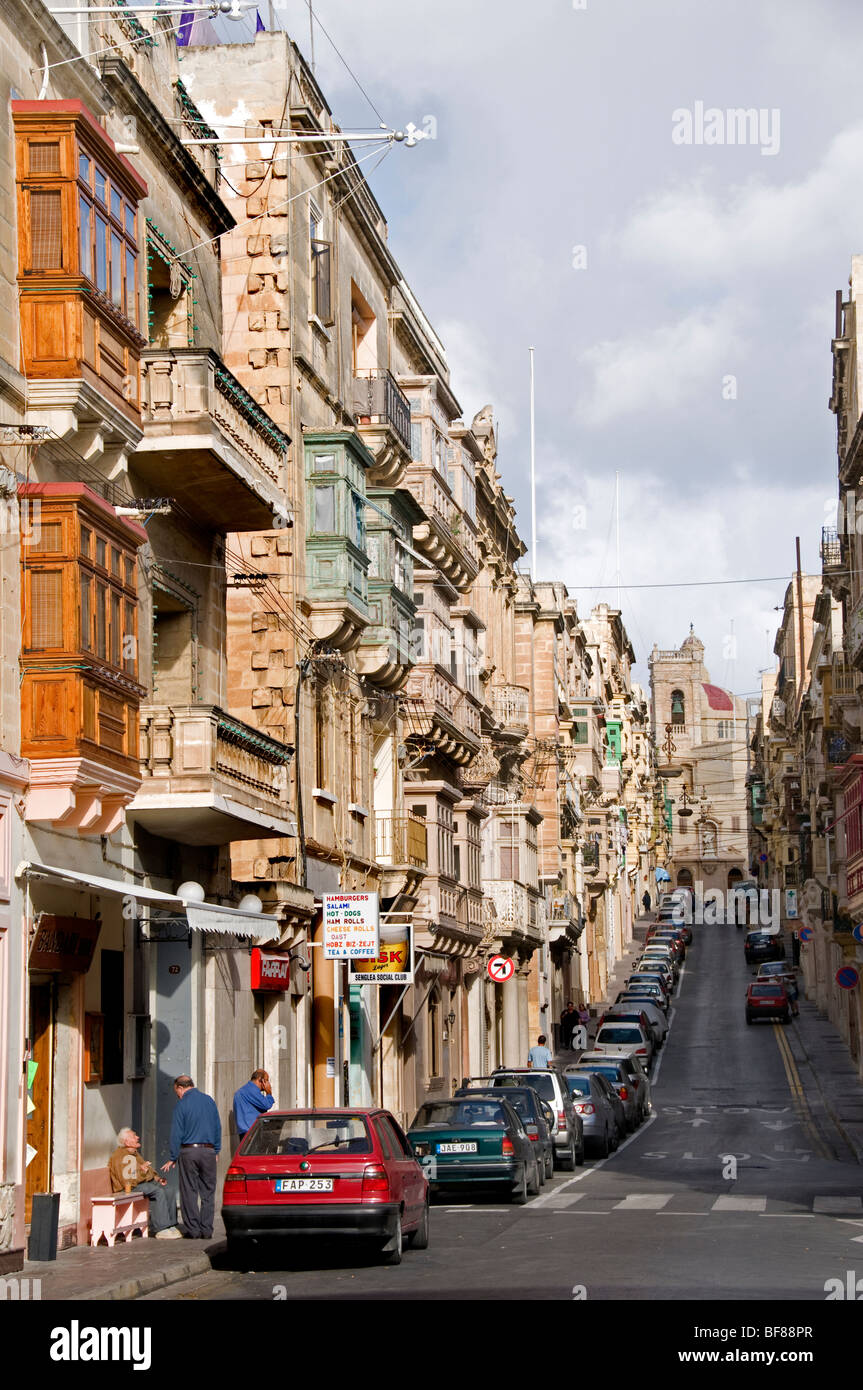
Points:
(644, 1201)
(833, 1206)
(732, 1202)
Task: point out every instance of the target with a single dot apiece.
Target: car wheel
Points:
(239, 1250)
(535, 1182)
(394, 1256)
(566, 1160)
(419, 1239)
(578, 1158)
(602, 1147)
(519, 1194)
(549, 1164)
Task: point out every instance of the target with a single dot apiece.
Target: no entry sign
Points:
(858, 933)
(501, 969)
(847, 977)
(806, 934)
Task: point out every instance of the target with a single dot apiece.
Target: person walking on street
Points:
(196, 1138)
(252, 1100)
(646, 901)
(132, 1173)
(539, 1056)
(568, 1021)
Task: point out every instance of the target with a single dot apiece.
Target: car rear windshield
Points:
(276, 1135)
(540, 1082)
(618, 1035)
(460, 1114)
(759, 990)
(524, 1102)
(578, 1085)
(611, 1070)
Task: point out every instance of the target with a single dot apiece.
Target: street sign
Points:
(806, 934)
(847, 977)
(791, 902)
(351, 930)
(501, 969)
(763, 858)
(858, 933)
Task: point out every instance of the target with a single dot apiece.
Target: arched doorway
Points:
(735, 876)
(684, 878)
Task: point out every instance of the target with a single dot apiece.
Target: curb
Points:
(131, 1289)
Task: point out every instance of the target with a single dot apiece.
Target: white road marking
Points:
(735, 1203)
(832, 1206)
(644, 1201)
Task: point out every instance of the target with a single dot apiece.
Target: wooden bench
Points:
(119, 1214)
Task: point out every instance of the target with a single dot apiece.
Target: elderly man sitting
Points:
(129, 1171)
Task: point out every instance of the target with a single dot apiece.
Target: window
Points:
(321, 271)
(322, 750)
(107, 240)
(325, 509)
(434, 1037)
(509, 847)
(678, 715)
(46, 230)
(113, 1013)
(579, 731)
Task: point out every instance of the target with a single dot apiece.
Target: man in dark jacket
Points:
(196, 1138)
(568, 1021)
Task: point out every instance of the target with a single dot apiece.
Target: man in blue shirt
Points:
(539, 1056)
(252, 1100)
(196, 1138)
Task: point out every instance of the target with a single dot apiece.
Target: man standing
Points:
(539, 1057)
(568, 1021)
(646, 901)
(196, 1138)
(130, 1171)
(252, 1100)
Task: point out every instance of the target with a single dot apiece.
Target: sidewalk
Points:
(616, 981)
(828, 1073)
(95, 1274)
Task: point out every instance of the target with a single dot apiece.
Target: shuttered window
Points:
(45, 157)
(46, 616)
(322, 281)
(46, 229)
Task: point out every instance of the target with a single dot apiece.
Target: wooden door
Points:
(39, 1120)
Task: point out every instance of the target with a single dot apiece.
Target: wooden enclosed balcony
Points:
(439, 711)
(208, 779)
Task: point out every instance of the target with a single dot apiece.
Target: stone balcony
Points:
(440, 712)
(510, 705)
(446, 538)
(209, 779)
(207, 443)
(515, 908)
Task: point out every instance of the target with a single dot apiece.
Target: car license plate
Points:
(456, 1148)
(304, 1184)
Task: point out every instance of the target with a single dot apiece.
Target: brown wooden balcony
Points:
(401, 840)
(447, 537)
(209, 779)
(207, 443)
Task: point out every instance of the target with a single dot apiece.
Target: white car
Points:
(626, 1039)
(655, 1017)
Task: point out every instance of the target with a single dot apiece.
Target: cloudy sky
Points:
(680, 296)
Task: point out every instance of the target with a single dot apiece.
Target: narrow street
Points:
(662, 1218)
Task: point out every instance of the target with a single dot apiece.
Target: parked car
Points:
(475, 1140)
(673, 939)
(651, 977)
(786, 974)
(767, 1001)
(661, 957)
(535, 1114)
(759, 946)
(651, 990)
(626, 1074)
(330, 1172)
(647, 1015)
(628, 1039)
(601, 1131)
(549, 1084)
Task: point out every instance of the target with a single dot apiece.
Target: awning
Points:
(210, 917)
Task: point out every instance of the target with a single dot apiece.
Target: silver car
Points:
(601, 1133)
(634, 1010)
(635, 1077)
(617, 1077)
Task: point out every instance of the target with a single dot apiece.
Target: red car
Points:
(767, 1000)
(327, 1173)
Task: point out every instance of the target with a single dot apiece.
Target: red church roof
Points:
(717, 698)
